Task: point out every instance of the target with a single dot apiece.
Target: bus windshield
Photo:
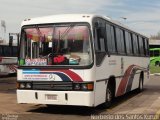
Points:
(62, 44)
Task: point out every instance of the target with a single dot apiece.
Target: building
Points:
(154, 43)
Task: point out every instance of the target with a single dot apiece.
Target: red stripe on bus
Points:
(74, 76)
(124, 81)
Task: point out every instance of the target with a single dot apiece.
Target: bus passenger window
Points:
(135, 44)
(141, 47)
(110, 39)
(146, 47)
(120, 41)
(128, 42)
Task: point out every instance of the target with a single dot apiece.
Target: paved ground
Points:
(146, 102)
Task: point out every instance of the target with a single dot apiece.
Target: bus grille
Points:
(51, 85)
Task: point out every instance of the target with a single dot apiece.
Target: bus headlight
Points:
(77, 86)
(83, 86)
(28, 85)
(22, 85)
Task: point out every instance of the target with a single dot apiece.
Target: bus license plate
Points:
(50, 97)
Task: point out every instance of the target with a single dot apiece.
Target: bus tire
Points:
(50, 106)
(140, 88)
(109, 96)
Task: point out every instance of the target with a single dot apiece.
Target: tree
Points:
(156, 37)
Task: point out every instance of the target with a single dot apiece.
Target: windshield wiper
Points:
(66, 31)
(61, 36)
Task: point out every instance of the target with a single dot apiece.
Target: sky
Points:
(142, 15)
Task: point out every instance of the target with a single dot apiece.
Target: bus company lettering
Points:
(36, 61)
(112, 62)
(35, 76)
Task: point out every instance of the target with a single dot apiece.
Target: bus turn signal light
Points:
(90, 86)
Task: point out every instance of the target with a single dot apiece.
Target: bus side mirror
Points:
(101, 32)
(100, 29)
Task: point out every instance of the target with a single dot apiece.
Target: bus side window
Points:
(146, 47)
(110, 39)
(100, 40)
(135, 44)
(128, 43)
(120, 41)
(141, 47)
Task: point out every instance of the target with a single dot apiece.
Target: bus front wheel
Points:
(140, 88)
(109, 96)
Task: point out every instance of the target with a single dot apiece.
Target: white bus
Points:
(8, 59)
(81, 60)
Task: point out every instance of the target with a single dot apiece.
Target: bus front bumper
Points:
(78, 98)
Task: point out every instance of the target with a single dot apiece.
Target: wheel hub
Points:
(108, 96)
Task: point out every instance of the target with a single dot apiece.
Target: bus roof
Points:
(67, 18)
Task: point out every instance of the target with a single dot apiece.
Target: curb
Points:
(151, 74)
(157, 74)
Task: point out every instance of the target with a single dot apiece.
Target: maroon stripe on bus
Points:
(74, 76)
(124, 81)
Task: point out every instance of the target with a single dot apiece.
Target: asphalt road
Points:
(147, 102)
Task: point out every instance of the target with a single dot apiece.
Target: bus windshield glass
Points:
(63, 44)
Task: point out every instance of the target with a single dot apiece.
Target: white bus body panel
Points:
(117, 66)
(24, 75)
(74, 97)
(81, 98)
